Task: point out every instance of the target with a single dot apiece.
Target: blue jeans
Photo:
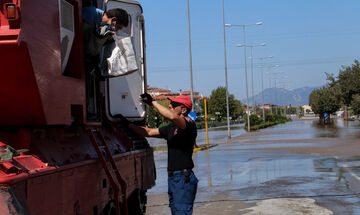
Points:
(181, 193)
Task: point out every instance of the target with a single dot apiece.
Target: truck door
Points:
(123, 92)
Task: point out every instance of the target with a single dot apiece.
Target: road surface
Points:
(295, 168)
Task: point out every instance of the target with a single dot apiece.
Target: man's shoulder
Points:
(190, 123)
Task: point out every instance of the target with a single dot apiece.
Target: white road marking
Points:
(286, 206)
(347, 165)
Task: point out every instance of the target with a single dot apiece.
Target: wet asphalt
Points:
(299, 167)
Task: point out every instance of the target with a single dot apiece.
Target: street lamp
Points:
(287, 101)
(190, 55)
(247, 91)
(275, 79)
(226, 76)
(252, 70)
(271, 96)
(262, 81)
(283, 96)
(237, 25)
(269, 73)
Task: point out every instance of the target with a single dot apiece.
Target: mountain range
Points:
(281, 96)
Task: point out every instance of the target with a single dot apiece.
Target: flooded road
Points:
(295, 168)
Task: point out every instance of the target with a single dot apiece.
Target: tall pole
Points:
(252, 79)
(286, 107)
(270, 93)
(226, 76)
(276, 108)
(281, 102)
(285, 97)
(285, 102)
(190, 56)
(262, 88)
(246, 81)
(247, 91)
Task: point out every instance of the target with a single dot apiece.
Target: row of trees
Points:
(216, 107)
(341, 90)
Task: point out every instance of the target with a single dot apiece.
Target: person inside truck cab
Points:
(98, 28)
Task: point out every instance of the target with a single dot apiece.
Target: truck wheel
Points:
(137, 202)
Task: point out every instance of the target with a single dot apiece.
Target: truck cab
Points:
(121, 93)
(49, 52)
(55, 155)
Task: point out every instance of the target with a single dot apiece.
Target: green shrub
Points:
(257, 123)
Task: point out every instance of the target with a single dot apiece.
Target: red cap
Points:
(185, 100)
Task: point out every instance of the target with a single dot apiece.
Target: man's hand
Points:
(124, 121)
(146, 98)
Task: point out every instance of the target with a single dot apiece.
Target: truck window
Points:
(122, 92)
(67, 31)
(127, 30)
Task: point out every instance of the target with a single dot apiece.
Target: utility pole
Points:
(262, 82)
(226, 75)
(190, 56)
(246, 80)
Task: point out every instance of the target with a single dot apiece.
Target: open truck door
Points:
(122, 93)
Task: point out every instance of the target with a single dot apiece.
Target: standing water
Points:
(292, 166)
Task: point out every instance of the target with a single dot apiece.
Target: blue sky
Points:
(307, 38)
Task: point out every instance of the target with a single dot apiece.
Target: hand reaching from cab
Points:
(146, 98)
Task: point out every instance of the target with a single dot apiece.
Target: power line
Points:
(218, 67)
(218, 39)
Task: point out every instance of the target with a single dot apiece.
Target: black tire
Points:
(137, 202)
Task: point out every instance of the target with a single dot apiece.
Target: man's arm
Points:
(177, 120)
(140, 130)
(144, 131)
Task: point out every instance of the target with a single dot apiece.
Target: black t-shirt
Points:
(180, 145)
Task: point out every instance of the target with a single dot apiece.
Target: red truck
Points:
(56, 158)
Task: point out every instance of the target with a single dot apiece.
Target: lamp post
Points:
(281, 87)
(288, 102)
(283, 97)
(269, 73)
(271, 96)
(247, 91)
(262, 81)
(276, 108)
(226, 76)
(252, 69)
(190, 55)
(275, 80)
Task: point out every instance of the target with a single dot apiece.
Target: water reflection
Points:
(209, 172)
(329, 130)
(346, 169)
(215, 135)
(325, 165)
(337, 128)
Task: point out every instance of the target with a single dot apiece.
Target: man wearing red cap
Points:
(181, 136)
